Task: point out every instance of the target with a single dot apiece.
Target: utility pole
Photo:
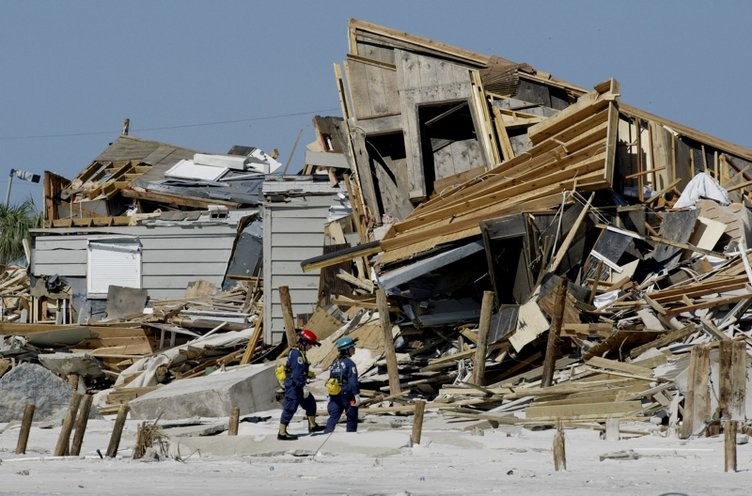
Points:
(26, 176)
(10, 183)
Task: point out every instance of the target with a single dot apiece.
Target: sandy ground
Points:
(452, 458)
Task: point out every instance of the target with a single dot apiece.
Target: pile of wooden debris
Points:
(517, 249)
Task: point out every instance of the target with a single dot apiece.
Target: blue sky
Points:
(212, 74)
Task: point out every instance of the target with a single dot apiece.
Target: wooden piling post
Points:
(286, 302)
(420, 408)
(697, 399)
(23, 436)
(560, 455)
(81, 421)
(481, 348)
(612, 429)
(62, 447)
(732, 380)
(73, 380)
(549, 361)
(117, 431)
(232, 428)
(729, 444)
(391, 356)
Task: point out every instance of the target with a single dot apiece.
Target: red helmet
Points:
(307, 335)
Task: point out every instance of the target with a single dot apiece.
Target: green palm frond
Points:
(15, 222)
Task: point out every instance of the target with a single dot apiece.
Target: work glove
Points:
(355, 401)
(306, 392)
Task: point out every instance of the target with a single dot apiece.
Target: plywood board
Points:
(531, 323)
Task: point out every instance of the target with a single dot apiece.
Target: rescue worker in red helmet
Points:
(348, 400)
(297, 393)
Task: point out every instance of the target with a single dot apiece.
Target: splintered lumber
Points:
(584, 411)
(625, 368)
(593, 330)
(248, 354)
(563, 389)
(562, 251)
(664, 340)
(691, 290)
(709, 303)
(125, 394)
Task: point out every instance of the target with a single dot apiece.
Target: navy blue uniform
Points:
(297, 376)
(344, 369)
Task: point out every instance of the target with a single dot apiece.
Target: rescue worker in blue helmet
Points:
(297, 393)
(347, 401)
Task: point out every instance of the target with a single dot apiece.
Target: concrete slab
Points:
(251, 388)
(33, 384)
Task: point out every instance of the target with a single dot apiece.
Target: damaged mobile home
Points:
(505, 245)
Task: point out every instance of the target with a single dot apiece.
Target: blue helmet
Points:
(345, 343)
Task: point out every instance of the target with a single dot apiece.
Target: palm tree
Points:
(15, 222)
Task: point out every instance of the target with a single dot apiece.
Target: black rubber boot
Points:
(313, 426)
(283, 435)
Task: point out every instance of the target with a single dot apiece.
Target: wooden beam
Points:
(643, 173)
(287, 314)
(248, 354)
(484, 326)
(560, 297)
(664, 340)
(391, 356)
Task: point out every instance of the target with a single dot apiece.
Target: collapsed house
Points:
(503, 244)
(603, 232)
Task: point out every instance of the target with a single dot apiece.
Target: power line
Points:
(163, 128)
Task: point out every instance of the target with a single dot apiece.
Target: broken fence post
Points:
(420, 408)
(81, 421)
(560, 455)
(73, 380)
(729, 443)
(62, 447)
(117, 431)
(232, 428)
(23, 435)
(612, 429)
